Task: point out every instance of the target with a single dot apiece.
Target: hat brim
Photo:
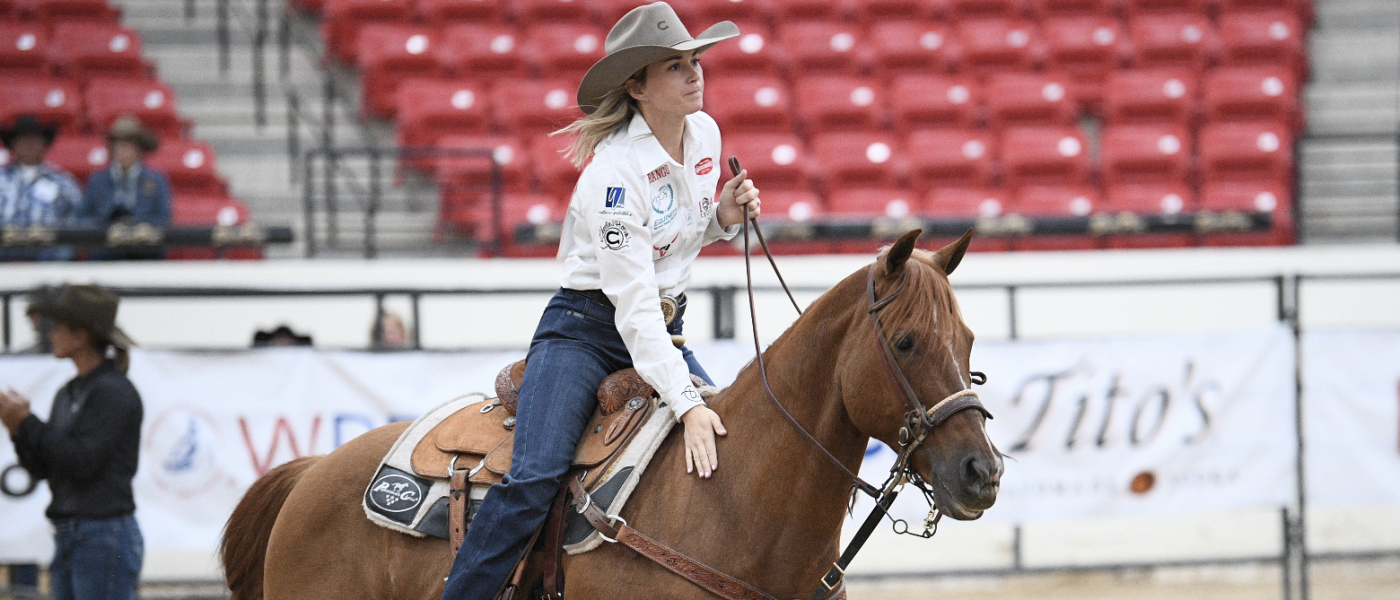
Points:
(49, 133)
(616, 68)
(143, 139)
(116, 336)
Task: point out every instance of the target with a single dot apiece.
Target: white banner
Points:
(1127, 426)
(1208, 417)
(1352, 418)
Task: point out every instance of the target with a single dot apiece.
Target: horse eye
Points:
(905, 343)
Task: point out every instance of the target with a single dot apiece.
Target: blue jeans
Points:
(96, 559)
(575, 347)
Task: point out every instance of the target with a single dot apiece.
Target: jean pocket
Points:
(590, 319)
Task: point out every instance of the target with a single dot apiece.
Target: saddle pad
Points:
(399, 499)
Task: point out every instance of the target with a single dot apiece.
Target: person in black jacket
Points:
(87, 450)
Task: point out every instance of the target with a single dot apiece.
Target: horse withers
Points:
(770, 516)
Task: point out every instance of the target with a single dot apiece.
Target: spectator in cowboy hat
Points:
(33, 192)
(128, 191)
(87, 450)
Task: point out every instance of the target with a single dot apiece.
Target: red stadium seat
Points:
(477, 49)
(471, 173)
(1044, 155)
(610, 11)
(1246, 151)
(969, 203)
(1184, 40)
(565, 47)
(954, 157)
(554, 173)
(534, 105)
(793, 211)
(1164, 199)
(997, 45)
(898, 10)
(1137, 7)
(1087, 49)
(821, 47)
(788, 10)
(535, 11)
(910, 47)
(978, 9)
(150, 101)
(1146, 154)
(1063, 8)
(835, 102)
(706, 12)
(201, 210)
(892, 210)
(54, 11)
(856, 159)
(189, 165)
(88, 49)
(1055, 201)
(755, 51)
(921, 101)
(430, 108)
(50, 100)
(1029, 99)
(390, 53)
(774, 161)
(1302, 8)
(1150, 96)
(343, 19)
(1252, 94)
(750, 103)
(1263, 38)
(446, 11)
(79, 155)
(24, 49)
(1250, 197)
(517, 209)
(792, 205)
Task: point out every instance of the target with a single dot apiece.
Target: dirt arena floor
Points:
(1351, 580)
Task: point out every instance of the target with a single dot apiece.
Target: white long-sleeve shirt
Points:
(636, 222)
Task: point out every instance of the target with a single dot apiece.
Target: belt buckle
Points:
(669, 308)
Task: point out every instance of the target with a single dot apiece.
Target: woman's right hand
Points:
(701, 425)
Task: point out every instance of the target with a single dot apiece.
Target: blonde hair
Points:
(614, 112)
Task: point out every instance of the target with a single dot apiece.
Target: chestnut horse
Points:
(772, 513)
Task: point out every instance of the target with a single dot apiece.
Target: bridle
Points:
(919, 420)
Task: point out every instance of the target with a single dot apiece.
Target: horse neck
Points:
(780, 467)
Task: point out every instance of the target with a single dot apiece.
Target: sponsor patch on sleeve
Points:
(613, 235)
(616, 197)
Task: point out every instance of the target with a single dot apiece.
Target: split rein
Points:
(918, 421)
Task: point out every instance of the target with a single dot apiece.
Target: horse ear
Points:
(949, 256)
(901, 251)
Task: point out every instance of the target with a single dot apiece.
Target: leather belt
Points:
(672, 308)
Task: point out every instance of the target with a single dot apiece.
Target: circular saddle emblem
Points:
(396, 493)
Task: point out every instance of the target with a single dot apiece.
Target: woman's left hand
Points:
(738, 193)
(14, 408)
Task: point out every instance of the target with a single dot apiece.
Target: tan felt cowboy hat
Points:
(128, 128)
(643, 36)
(89, 307)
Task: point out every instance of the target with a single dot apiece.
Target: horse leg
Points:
(322, 546)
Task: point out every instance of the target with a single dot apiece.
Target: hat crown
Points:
(97, 305)
(655, 24)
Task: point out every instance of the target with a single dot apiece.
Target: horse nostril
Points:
(975, 473)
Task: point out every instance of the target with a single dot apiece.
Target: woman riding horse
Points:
(643, 207)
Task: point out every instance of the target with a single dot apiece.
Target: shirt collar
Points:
(133, 172)
(649, 151)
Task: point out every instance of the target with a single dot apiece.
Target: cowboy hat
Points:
(643, 36)
(128, 128)
(89, 307)
(28, 125)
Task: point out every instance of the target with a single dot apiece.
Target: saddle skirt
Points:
(476, 433)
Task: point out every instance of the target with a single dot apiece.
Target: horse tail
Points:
(243, 549)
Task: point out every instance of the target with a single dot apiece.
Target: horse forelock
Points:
(926, 304)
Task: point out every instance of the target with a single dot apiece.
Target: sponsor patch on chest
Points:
(661, 172)
(703, 167)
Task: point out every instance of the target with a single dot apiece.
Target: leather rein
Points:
(919, 422)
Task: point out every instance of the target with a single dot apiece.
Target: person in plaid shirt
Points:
(33, 192)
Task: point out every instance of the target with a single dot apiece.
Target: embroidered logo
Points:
(705, 205)
(664, 200)
(614, 235)
(660, 172)
(616, 196)
(396, 493)
(660, 252)
(703, 167)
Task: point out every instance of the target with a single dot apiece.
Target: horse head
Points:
(930, 346)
